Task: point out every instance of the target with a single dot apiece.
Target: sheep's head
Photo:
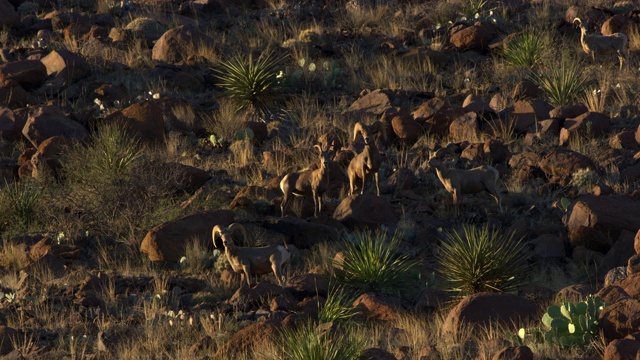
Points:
(325, 156)
(437, 158)
(226, 234)
(367, 132)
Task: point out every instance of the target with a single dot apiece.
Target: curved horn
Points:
(216, 230)
(236, 226)
(382, 128)
(357, 129)
(578, 20)
(318, 147)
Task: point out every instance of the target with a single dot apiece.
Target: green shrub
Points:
(567, 324)
(525, 50)
(373, 264)
(253, 85)
(307, 342)
(482, 259)
(563, 84)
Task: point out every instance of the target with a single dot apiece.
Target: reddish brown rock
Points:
(624, 140)
(526, 112)
(251, 336)
(636, 243)
(560, 164)
(619, 253)
(465, 127)
(8, 337)
(245, 297)
(168, 241)
(436, 115)
(633, 264)
(13, 95)
(177, 44)
(612, 293)
(576, 292)
(622, 349)
(620, 319)
(71, 66)
(372, 104)
(301, 233)
(365, 211)
(631, 285)
(377, 307)
(259, 128)
(28, 73)
(486, 308)
(514, 353)
(406, 128)
(49, 121)
(476, 37)
(616, 24)
(309, 284)
(608, 214)
(589, 238)
(188, 178)
(526, 89)
(11, 123)
(568, 111)
(144, 120)
(590, 123)
(549, 246)
(476, 104)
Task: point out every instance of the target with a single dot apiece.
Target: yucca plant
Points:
(338, 307)
(252, 85)
(482, 259)
(307, 342)
(525, 50)
(114, 150)
(563, 84)
(373, 264)
(19, 199)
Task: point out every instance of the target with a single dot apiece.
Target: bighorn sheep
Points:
(252, 260)
(308, 182)
(367, 163)
(602, 44)
(461, 181)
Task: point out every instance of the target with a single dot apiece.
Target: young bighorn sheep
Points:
(461, 181)
(308, 182)
(367, 163)
(602, 44)
(252, 260)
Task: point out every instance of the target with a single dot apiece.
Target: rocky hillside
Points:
(468, 174)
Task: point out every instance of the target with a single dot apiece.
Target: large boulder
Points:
(168, 241)
(378, 307)
(145, 120)
(486, 308)
(560, 164)
(251, 336)
(177, 44)
(590, 123)
(365, 211)
(406, 129)
(12, 94)
(525, 113)
(11, 123)
(66, 64)
(465, 127)
(622, 349)
(620, 319)
(301, 233)
(476, 37)
(436, 115)
(607, 214)
(372, 104)
(30, 74)
(47, 121)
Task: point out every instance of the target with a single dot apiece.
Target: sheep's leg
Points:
(351, 183)
(621, 59)
(375, 174)
(247, 273)
(364, 181)
(277, 273)
(316, 210)
(284, 204)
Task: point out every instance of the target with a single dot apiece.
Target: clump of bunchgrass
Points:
(338, 307)
(252, 84)
(483, 259)
(562, 84)
(19, 201)
(371, 263)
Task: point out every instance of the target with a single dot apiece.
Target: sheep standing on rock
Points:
(252, 260)
(308, 182)
(461, 181)
(602, 44)
(368, 162)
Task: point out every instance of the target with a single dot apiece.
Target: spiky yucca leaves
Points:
(482, 259)
(19, 202)
(525, 50)
(253, 85)
(373, 264)
(307, 342)
(338, 307)
(563, 84)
